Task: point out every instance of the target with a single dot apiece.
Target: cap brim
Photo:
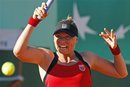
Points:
(66, 31)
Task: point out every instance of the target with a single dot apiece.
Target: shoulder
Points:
(89, 57)
(88, 54)
(47, 52)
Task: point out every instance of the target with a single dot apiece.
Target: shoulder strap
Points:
(54, 61)
(81, 58)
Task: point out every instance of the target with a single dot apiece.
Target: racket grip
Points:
(48, 3)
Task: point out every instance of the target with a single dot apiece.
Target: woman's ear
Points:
(76, 39)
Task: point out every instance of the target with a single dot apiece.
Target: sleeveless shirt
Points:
(77, 75)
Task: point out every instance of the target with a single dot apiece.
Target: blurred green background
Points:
(93, 15)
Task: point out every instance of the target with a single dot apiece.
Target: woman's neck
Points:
(66, 58)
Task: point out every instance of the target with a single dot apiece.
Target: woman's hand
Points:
(109, 37)
(40, 12)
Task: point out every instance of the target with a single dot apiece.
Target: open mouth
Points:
(63, 47)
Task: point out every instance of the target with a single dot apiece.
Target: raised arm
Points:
(117, 68)
(31, 54)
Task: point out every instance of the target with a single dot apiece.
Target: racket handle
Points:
(48, 3)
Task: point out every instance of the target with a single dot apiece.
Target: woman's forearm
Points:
(120, 65)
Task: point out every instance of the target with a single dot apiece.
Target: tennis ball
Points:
(8, 68)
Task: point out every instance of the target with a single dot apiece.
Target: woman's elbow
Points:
(18, 54)
(123, 75)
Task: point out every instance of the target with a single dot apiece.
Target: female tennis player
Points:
(67, 67)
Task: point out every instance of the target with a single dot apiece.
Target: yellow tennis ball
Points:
(8, 68)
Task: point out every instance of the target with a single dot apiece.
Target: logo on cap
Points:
(64, 26)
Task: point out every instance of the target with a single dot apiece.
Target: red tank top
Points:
(77, 75)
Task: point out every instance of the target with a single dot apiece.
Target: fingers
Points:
(40, 11)
(107, 35)
(44, 5)
(103, 35)
(111, 33)
(107, 32)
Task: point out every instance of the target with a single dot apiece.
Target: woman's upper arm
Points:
(101, 64)
(36, 55)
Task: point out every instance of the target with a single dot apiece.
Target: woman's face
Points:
(64, 43)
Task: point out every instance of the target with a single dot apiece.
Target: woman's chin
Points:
(64, 51)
